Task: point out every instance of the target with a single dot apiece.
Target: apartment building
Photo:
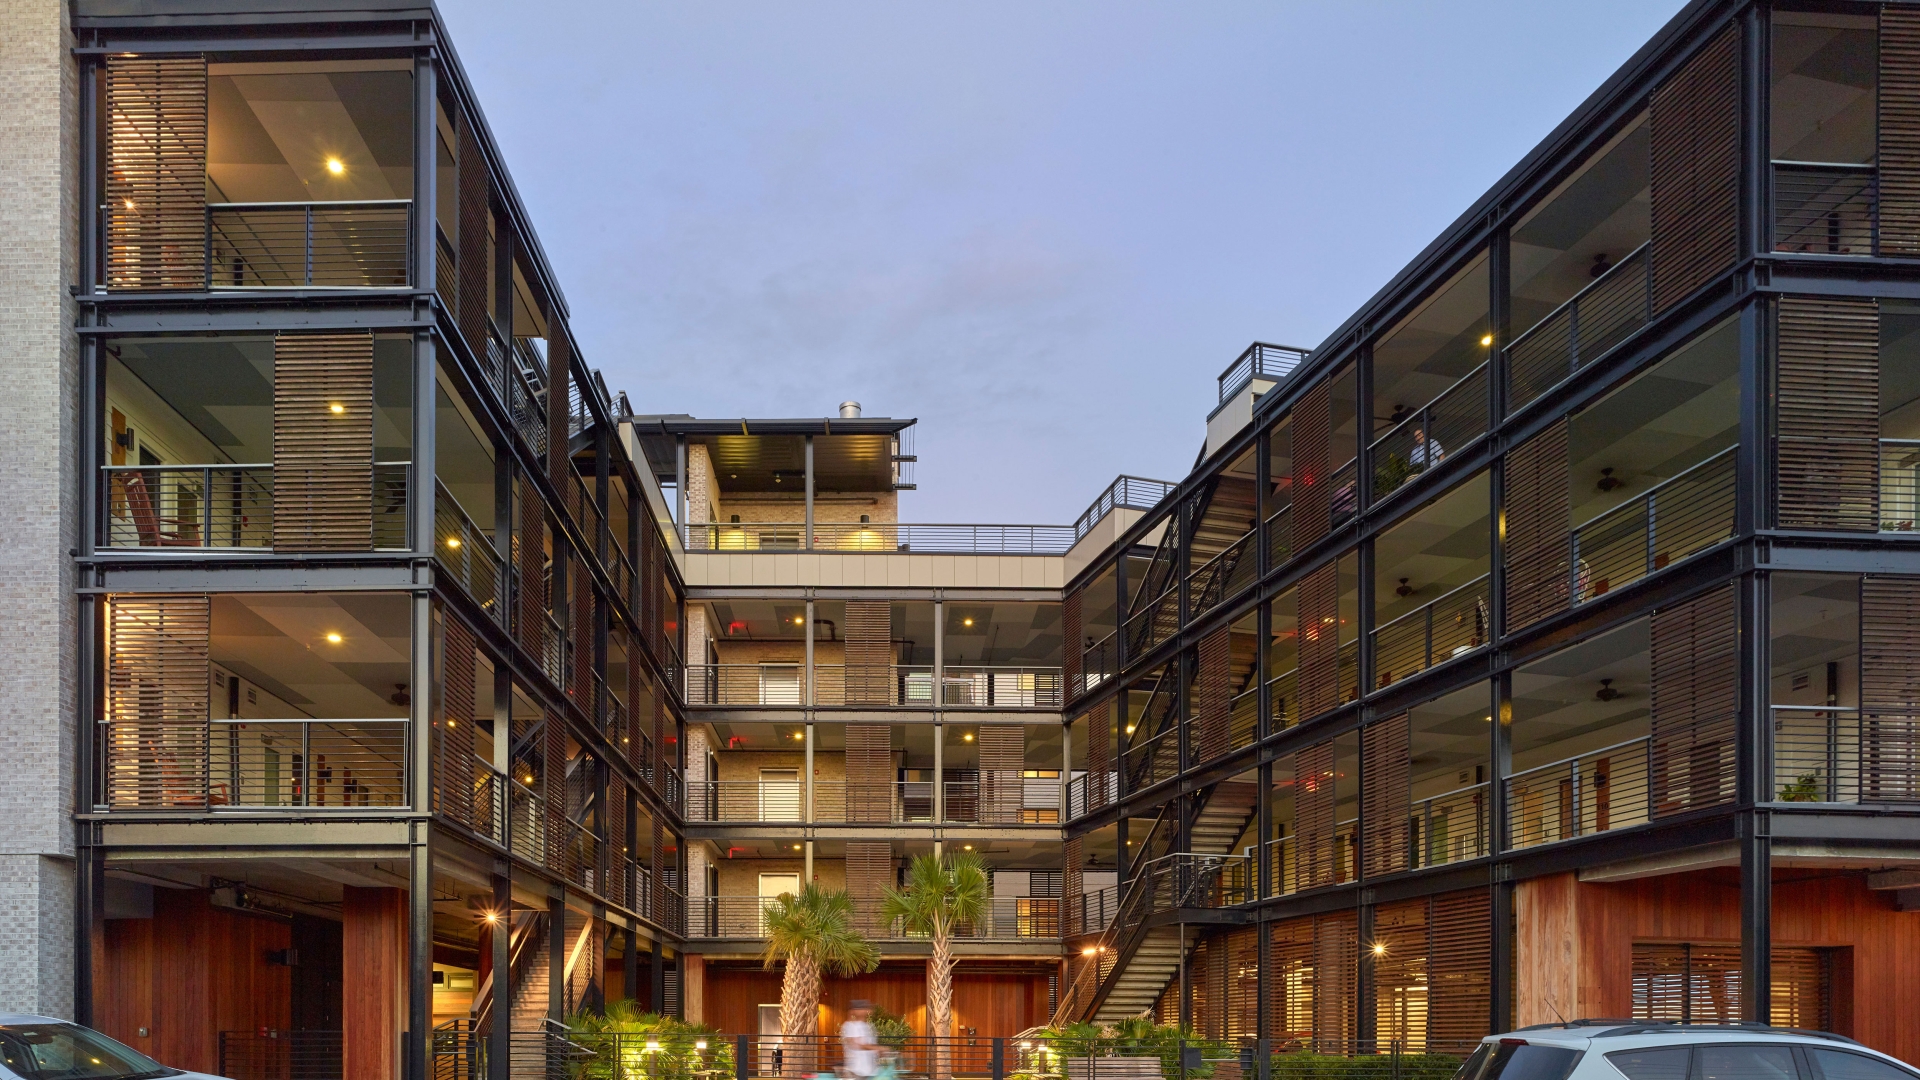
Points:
(1540, 645)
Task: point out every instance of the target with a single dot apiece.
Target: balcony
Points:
(1303, 861)
(465, 553)
(1000, 797)
(303, 764)
(1007, 919)
(331, 245)
(1000, 686)
(1824, 208)
(1679, 517)
(1833, 754)
(1447, 424)
(228, 508)
(1091, 790)
(1098, 664)
(879, 538)
(905, 686)
(1588, 326)
(1451, 625)
(1585, 794)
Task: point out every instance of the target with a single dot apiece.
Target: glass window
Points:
(1529, 1062)
(1815, 626)
(71, 1052)
(463, 455)
(1845, 1065)
(1741, 1061)
(1663, 1063)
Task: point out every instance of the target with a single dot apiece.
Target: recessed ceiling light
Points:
(966, 622)
(968, 737)
(336, 166)
(333, 638)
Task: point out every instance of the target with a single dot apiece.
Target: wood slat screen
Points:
(1890, 689)
(869, 652)
(1828, 400)
(559, 423)
(1313, 815)
(1290, 982)
(1686, 983)
(1695, 124)
(1073, 885)
(869, 772)
(1243, 984)
(616, 845)
(1460, 968)
(474, 220)
(1695, 668)
(1207, 982)
(1213, 694)
(1003, 759)
(157, 701)
(1401, 991)
(1073, 651)
(1099, 752)
(1538, 516)
(1319, 641)
(1336, 962)
(869, 872)
(580, 615)
(1386, 795)
(156, 182)
(530, 555)
(454, 780)
(553, 790)
(1312, 432)
(323, 442)
(1898, 157)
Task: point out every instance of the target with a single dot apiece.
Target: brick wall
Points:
(39, 422)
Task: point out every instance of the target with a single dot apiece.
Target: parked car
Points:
(1638, 1050)
(42, 1048)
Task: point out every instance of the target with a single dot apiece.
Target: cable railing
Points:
(878, 538)
(1447, 424)
(1825, 208)
(1000, 686)
(226, 507)
(1678, 517)
(1260, 361)
(1581, 795)
(465, 551)
(1581, 330)
(1125, 493)
(1222, 576)
(307, 245)
(308, 764)
(1452, 624)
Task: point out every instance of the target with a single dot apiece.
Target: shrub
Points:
(616, 1045)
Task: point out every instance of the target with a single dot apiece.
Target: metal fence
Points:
(281, 1054)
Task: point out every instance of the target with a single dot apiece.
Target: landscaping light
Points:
(700, 1044)
(653, 1046)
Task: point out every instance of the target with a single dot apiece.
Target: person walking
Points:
(858, 1043)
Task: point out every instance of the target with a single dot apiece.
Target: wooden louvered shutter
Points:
(1312, 484)
(869, 772)
(1695, 124)
(1073, 885)
(454, 792)
(474, 222)
(553, 794)
(1890, 689)
(1538, 516)
(869, 652)
(1336, 963)
(1313, 812)
(1290, 983)
(869, 872)
(1003, 757)
(1072, 651)
(1695, 668)
(1460, 968)
(1401, 994)
(559, 421)
(156, 183)
(1386, 795)
(1213, 694)
(1243, 984)
(1898, 154)
(657, 878)
(323, 442)
(157, 701)
(530, 548)
(580, 610)
(1099, 752)
(1319, 641)
(616, 845)
(1828, 399)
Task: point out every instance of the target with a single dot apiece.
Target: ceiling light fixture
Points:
(336, 166)
(968, 737)
(966, 622)
(333, 638)
(966, 847)
(1487, 340)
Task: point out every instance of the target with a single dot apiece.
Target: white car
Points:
(42, 1048)
(1639, 1050)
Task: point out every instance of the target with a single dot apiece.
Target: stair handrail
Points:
(519, 946)
(1120, 923)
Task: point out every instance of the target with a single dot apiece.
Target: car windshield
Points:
(71, 1052)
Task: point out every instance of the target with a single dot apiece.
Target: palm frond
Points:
(817, 925)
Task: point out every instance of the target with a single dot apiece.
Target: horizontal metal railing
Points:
(526, 820)
(582, 859)
(1581, 330)
(1000, 686)
(1581, 795)
(490, 790)
(995, 797)
(746, 801)
(1279, 537)
(879, 538)
(1002, 797)
(1447, 424)
(873, 685)
(1155, 622)
(1297, 863)
(1007, 918)
(1343, 494)
(1678, 517)
(1152, 760)
(1260, 361)
(1092, 790)
(224, 507)
(1283, 700)
(308, 764)
(281, 1054)
(315, 244)
(1223, 576)
(1451, 827)
(1816, 753)
(1825, 208)
(1452, 624)
(465, 551)
(1197, 880)
(1125, 493)
(1097, 664)
(746, 684)
(1243, 719)
(1089, 912)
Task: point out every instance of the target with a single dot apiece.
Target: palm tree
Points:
(937, 898)
(813, 932)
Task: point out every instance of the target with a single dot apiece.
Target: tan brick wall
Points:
(741, 877)
(702, 491)
(771, 508)
(39, 420)
(745, 765)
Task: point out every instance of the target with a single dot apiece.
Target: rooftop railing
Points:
(1260, 361)
(878, 538)
(1126, 492)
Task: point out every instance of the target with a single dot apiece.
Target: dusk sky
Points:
(1041, 228)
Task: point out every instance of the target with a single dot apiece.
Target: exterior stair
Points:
(1138, 984)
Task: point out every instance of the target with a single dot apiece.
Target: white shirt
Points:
(854, 1035)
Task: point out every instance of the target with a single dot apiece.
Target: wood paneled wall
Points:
(1574, 941)
(374, 967)
(189, 973)
(995, 999)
